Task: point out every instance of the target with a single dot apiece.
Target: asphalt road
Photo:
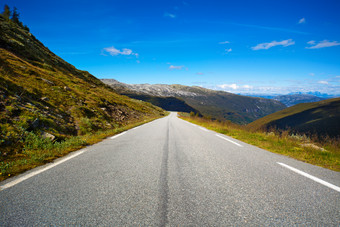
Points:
(170, 172)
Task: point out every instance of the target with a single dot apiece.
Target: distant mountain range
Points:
(296, 98)
(291, 100)
(216, 104)
(318, 118)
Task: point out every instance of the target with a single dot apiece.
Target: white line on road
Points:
(222, 137)
(332, 186)
(204, 129)
(27, 176)
(114, 137)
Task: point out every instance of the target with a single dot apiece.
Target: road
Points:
(167, 173)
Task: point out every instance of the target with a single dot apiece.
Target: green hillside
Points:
(318, 118)
(210, 103)
(227, 106)
(166, 103)
(42, 94)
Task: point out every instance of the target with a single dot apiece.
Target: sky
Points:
(239, 46)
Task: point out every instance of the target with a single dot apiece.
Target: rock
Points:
(45, 99)
(47, 81)
(313, 146)
(35, 123)
(47, 135)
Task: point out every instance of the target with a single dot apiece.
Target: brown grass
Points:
(324, 153)
(34, 156)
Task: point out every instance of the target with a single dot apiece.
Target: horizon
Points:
(244, 47)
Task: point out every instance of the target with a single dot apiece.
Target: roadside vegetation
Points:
(38, 150)
(324, 152)
(49, 108)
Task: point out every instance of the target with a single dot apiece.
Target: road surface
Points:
(167, 173)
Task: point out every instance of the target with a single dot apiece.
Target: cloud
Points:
(322, 82)
(247, 86)
(171, 67)
(199, 73)
(266, 46)
(322, 44)
(224, 42)
(169, 15)
(228, 50)
(234, 86)
(302, 21)
(225, 86)
(114, 52)
(312, 74)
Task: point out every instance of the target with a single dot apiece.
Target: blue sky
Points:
(236, 46)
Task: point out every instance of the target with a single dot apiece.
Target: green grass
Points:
(319, 118)
(38, 151)
(324, 153)
(41, 94)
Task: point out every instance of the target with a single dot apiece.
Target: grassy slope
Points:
(41, 93)
(166, 103)
(227, 106)
(216, 104)
(320, 118)
(325, 154)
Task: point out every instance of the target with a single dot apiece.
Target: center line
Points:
(222, 137)
(332, 186)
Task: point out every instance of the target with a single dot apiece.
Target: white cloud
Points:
(266, 46)
(302, 21)
(312, 74)
(247, 86)
(114, 52)
(169, 15)
(322, 44)
(171, 67)
(322, 82)
(225, 86)
(234, 86)
(138, 61)
(199, 73)
(224, 42)
(228, 50)
(312, 42)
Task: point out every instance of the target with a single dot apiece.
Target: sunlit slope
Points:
(210, 103)
(40, 92)
(318, 118)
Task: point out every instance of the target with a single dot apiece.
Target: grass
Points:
(41, 94)
(38, 151)
(324, 153)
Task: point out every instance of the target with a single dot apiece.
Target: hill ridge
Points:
(216, 104)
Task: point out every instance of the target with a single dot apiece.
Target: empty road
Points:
(167, 173)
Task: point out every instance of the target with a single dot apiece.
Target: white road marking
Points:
(27, 176)
(204, 129)
(332, 186)
(135, 128)
(222, 137)
(113, 137)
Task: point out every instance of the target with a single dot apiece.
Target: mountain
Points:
(318, 118)
(291, 100)
(42, 93)
(216, 104)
